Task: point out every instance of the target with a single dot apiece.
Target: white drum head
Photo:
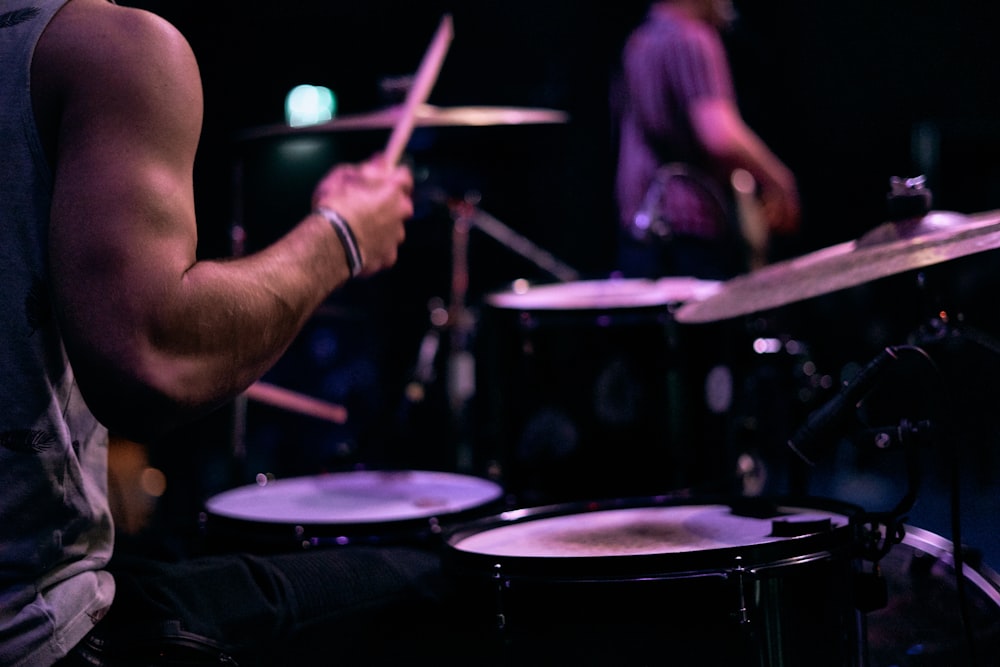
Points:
(635, 531)
(603, 294)
(357, 497)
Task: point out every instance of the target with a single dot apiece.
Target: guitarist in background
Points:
(686, 155)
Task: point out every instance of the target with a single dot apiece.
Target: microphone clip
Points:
(819, 431)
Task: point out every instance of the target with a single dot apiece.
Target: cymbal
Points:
(891, 248)
(427, 115)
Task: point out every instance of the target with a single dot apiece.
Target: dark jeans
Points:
(347, 605)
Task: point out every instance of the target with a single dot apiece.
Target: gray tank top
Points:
(55, 525)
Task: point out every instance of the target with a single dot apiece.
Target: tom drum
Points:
(590, 389)
(364, 506)
(663, 581)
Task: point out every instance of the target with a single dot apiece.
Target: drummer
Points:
(110, 321)
(681, 138)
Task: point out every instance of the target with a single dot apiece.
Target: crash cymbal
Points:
(891, 248)
(427, 115)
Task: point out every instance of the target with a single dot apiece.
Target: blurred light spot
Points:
(309, 105)
(766, 345)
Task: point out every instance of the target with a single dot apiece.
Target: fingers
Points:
(378, 166)
(782, 212)
(375, 197)
(346, 184)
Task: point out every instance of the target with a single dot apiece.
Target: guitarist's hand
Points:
(780, 207)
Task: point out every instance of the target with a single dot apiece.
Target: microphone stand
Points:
(880, 531)
(906, 435)
(941, 329)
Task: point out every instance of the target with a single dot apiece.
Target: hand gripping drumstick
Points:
(420, 91)
(426, 76)
(289, 400)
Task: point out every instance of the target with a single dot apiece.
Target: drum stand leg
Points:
(460, 322)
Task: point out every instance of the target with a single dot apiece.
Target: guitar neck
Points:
(753, 226)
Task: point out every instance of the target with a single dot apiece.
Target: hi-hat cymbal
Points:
(427, 115)
(891, 248)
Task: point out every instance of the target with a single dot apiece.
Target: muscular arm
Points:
(154, 335)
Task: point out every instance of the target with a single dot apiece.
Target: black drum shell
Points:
(600, 400)
(785, 602)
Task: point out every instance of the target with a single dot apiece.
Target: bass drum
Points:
(590, 389)
(355, 507)
(922, 626)
(662, 582)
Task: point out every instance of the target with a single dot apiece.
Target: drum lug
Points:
(501, 618)
(742, 612)
(299, 533)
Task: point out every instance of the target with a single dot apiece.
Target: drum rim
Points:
(983, 576)
(213, 512)
(651, 293)
(836, 543)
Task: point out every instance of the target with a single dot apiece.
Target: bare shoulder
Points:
(98, 29)
(99, 67)
(94, 43)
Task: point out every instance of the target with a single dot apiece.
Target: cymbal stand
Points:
(466, 216)
(476, 218)
(461, 382)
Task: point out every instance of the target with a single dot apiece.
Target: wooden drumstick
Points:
(420, 91)
(295, 402)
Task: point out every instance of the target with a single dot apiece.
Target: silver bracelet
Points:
(346, 237)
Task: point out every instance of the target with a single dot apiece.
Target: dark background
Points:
(848, 94)
(837, 89)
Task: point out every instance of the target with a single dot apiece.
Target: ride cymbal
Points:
(427, 115)
(891, 248)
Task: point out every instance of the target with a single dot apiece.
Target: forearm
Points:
(233, 318)
(750, 153)
(176, 346)
(730, 142)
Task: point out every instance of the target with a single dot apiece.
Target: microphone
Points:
(815, 435)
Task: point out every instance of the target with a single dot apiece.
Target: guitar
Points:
(652, 221)
(753, 226)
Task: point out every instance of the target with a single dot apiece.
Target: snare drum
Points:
(663, 582)
(365, 506)
(590, 389)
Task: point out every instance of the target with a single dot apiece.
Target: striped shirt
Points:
(668, 63)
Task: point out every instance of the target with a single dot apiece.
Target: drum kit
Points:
(670, 577)
(703, 580)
